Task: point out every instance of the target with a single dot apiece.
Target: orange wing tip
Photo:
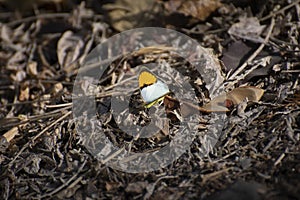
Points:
(146, 78)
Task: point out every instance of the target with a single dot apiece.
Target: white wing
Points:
(154, 91)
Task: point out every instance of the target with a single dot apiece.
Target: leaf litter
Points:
(42, 156)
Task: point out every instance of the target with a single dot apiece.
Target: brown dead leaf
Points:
(128, 14)
(68, 192)
(199, 9)
(111, 185)
(9, 135)
(222, 102)
(24, 94)
(188, 108)
(136, 187)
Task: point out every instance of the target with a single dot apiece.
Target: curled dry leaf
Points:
(69, 48)
(222, 102)
(6, 33)
(10, 36)
(17, 61)
(19, 76)
(32, 68)
(199, 9)
(58, 87)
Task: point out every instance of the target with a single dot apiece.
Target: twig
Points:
(59, 105)
(215, 174)
(247, 72)
(231, 153)
(260, 48)
(27, 102)
(272, 141)
(110, 157)
(54, 113)
(32, 18)
(51, 125)
(279, 11)
(279, 159)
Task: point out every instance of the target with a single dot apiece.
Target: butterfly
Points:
(152, 89)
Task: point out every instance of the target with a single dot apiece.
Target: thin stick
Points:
(31, 118)
(59, 105)
(46, 16)
(279, 11)
(32, 18)
(241, 77)
(215, 174)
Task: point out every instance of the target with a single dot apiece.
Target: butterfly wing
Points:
(146, 79)
(154, 91)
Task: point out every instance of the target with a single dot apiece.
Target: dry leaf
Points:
(223, 102)
(58, 87)
(19, 76)
(69, 48)
(17, 61)
(233, 55)
(248, 29)
(128, 14)
(111, 185)
(6, 33)
(32, 68)
(199, 9)
(24, 94)
(188, 108)
(9, 135)
(136, 187)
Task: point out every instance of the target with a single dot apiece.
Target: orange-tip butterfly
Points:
(152, 89)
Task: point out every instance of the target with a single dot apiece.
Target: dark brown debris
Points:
(43, 44)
